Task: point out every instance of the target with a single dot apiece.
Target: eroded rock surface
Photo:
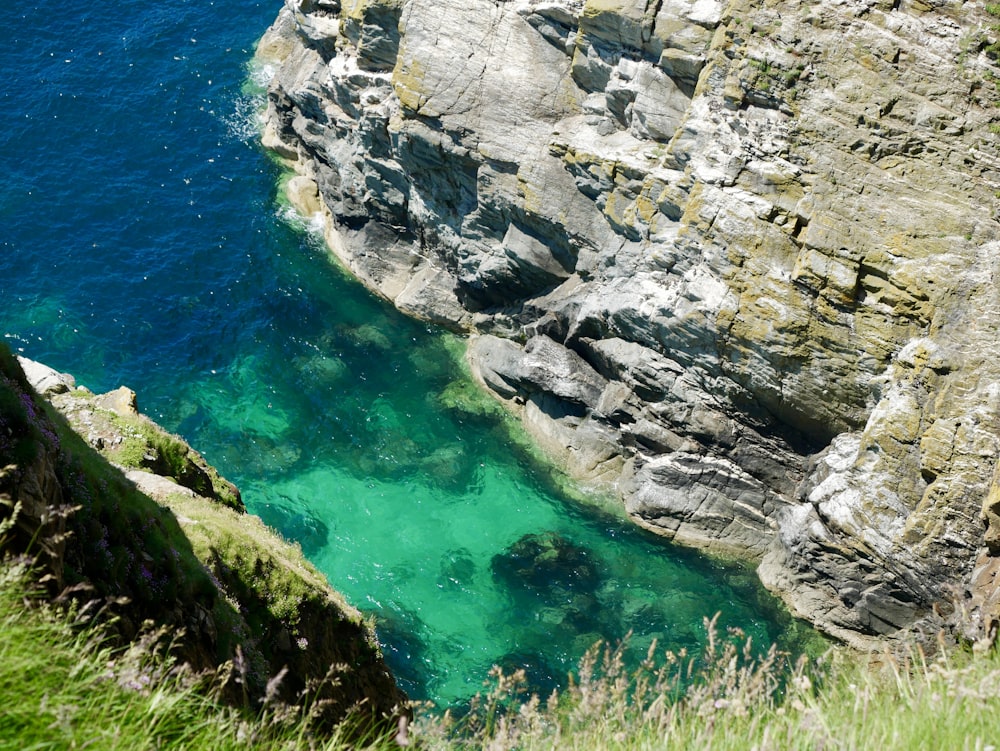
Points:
(736, 260)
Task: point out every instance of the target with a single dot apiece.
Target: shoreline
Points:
(665, 288)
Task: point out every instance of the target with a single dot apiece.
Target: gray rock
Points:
(542, 365)
(701, 499)
(736, 261)
(44, 379)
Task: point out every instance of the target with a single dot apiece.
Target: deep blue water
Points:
(143, 244)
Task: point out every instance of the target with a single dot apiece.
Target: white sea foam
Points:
(315, 224)
(245, 121)
(311, 225)
(261, 74)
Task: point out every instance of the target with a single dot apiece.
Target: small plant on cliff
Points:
(145, 445)
(992, 47)
(18, 437)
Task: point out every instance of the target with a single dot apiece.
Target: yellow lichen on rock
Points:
(770, 208)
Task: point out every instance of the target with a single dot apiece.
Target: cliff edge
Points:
(736, 260)
(114, 510)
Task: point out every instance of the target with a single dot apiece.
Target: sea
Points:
(144, 243)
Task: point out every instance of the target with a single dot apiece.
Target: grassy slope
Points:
(237, 597)
(63, 687)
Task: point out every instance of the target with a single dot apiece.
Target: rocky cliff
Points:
(160, 538)
(736, 260)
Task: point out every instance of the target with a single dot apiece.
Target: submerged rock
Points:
(736, 261)
(559, 585)
(547, 562)
(457, 570)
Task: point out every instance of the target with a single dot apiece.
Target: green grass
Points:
(727, 700)
(992, 46)
(64, 687)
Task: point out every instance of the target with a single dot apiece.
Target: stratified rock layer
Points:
(736, 261)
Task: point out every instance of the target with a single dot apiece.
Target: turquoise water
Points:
(143, 244)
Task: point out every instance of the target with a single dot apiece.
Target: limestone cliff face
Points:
(736, 260)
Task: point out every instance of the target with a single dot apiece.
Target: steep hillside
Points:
(737, 260)
(174, 548)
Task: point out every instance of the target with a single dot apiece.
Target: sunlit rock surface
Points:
(737, 261)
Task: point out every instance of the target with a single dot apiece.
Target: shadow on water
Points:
(404, 650)
(296, 525)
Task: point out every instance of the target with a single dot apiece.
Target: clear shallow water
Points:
(143, 245)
